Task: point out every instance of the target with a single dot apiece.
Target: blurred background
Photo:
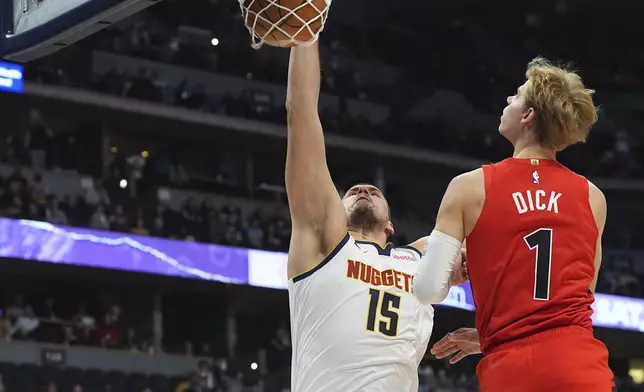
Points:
(144, 218)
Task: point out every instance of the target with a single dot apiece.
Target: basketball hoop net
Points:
(254, 19)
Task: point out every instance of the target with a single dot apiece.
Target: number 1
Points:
(541, 240)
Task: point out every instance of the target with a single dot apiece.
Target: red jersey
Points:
(531, 254)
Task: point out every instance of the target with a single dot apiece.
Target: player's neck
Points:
(533, 152)
(360, 235)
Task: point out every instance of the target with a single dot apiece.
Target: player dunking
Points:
(355, 324)
(533, 232)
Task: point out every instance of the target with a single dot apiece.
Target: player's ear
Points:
(389, 230)
(528, 116)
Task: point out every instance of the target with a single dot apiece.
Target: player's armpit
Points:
(598, 205)
(419, 244)
(317, 213)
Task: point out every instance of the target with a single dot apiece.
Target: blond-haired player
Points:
(533, 232)
(356, 326)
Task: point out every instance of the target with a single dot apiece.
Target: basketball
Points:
(285, 23)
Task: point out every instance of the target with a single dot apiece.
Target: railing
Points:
(22, 352)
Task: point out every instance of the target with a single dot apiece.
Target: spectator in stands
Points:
(52, 387)
(69, 336)
(427, 382)
(132, 342)
(143, 88)
(139, 227)
(17, 308)
(99, 219)
(5, 199)
(118, 220)
(192, 217)
(208, 377)
(220, 367)
(25, 325)
(115, 312)
(623, 282)
(106, 334)
(177, 175)
(84, 325)
(96, 194)
(15, 208)
(48, 312)
(37, 137)
(32, 212)
(50, 329)
(81, 317)
(234, 234)
(5, 328)
(38, 189)
(195, 383)
(72, 206)
(255, 234)
(217, 226)
(235, 382)
(158, 223)
(55, 214)
(280, 349)
(278, 234)
(17, 181)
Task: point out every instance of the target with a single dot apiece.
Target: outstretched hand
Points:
(462, 342)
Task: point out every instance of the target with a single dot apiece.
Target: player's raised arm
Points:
(442, 255)
(318, 216)
(598, 205)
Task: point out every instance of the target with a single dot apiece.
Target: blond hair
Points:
(564, 107)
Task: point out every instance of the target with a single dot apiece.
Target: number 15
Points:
(389, 307)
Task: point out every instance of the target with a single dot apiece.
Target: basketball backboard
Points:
(35, 28)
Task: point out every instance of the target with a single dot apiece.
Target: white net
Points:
(255, 14)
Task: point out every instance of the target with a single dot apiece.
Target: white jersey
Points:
(355, 324)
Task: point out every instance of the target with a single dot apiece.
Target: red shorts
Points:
(565, 359)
